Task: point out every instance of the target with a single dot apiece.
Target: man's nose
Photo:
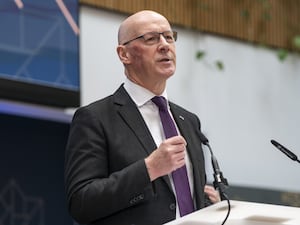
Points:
(162, 37)
(163, 44)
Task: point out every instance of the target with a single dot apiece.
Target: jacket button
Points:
(172, 206)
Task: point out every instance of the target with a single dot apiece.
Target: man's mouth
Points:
(164, 60)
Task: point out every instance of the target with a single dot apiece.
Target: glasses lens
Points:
(170, 36)
(151, 38)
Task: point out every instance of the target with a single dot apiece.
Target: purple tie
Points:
(180, 177)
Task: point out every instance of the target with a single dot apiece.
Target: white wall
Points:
(255, 99)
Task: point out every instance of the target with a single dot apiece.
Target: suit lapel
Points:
(132, 117)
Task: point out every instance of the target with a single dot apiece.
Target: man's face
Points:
(154, 62)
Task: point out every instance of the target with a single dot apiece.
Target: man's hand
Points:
(169, 156)
(212, 194)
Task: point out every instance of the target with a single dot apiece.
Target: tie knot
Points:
(161, 102)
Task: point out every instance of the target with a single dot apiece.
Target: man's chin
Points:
(169, 73)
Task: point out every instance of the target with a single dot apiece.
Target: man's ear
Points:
(123, 54)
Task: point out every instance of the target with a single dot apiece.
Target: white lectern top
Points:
(242, 213)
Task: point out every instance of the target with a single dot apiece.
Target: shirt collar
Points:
(139, 94)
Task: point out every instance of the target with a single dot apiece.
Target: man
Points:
(118, 161)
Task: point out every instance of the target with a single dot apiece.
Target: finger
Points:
(176, 140)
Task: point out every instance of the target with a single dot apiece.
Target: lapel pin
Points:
(181, 117)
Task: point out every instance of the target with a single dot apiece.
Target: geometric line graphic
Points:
(16, 208)
(55, 29)
(68, 16)
(19, 3)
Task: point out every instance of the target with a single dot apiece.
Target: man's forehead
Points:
(146, 24)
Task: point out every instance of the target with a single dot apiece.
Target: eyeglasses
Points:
(152, 38)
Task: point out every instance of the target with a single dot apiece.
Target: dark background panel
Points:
(261, 195)
(31, 171)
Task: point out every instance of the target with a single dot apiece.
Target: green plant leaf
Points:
(219, 65)
(200, 54)
(282, 54)
(296, 41)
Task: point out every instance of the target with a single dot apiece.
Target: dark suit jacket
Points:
(105, 174)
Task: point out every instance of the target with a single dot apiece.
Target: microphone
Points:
(220, 183)
(287, 152)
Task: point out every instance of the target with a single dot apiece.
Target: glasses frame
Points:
(174, 34)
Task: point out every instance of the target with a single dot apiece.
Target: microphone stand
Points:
(220, 183)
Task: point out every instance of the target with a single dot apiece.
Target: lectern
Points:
(242, 213)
